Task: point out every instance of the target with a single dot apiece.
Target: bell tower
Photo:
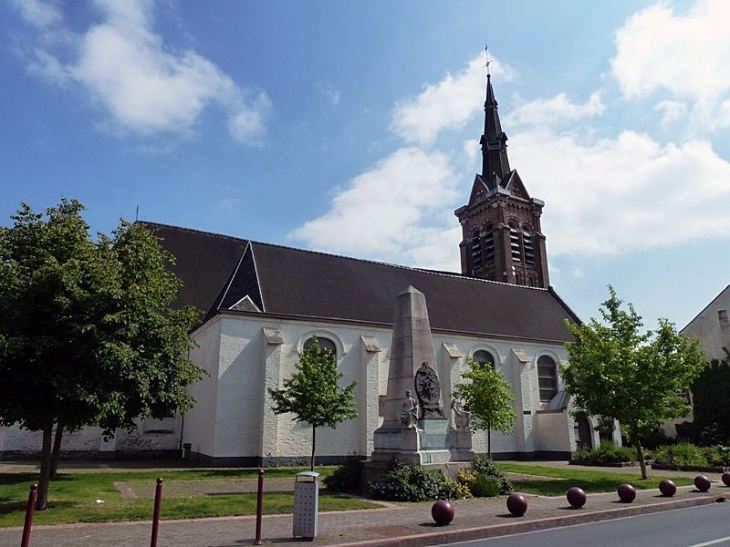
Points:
(502, 239)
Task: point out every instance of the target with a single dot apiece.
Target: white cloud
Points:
(388, 211)
(449, 104)
(38, 13)
(671, 112)
(401, 210)
(248, 123)
(623, 194)
(143, 86)
(685, 56)
(333, 95)
(556, 110)
(229, 204)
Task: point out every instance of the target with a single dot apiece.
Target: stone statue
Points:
(428, 391)
(409, 414)
(462, 418)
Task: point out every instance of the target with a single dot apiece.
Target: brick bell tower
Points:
(502, 239)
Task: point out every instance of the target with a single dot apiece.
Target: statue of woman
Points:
(409, 414)
(461, 416)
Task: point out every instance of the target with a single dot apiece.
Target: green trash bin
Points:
(186, 449)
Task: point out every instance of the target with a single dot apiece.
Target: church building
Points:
(263, 303)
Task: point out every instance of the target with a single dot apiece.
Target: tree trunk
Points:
(314, 444)
(640, 454)
(56, 451)
(489, 440)
(42, 500)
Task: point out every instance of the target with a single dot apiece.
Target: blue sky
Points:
(353, 127)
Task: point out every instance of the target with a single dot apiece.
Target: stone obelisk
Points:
(413, 414)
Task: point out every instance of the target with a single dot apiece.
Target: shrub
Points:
(346, 478)
(412, 482)
(478, 484)
(680, 454)
(485, 466)
(486, 486)
(719, 455)
(607, 452)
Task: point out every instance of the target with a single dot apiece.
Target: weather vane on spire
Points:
(488, 60)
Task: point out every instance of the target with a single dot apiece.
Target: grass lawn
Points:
(590, 480)
(72, 497)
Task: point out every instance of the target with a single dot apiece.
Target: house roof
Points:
(224, 273)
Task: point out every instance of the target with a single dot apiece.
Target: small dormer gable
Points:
(479, 190)
(513, 183)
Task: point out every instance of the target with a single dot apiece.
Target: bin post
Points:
(306, 505)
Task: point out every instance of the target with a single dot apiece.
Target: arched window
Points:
(547, 375)
(515, 243)
(528, 245)
(476, 251)
(324, 343)
(484, 358)
(488, 238)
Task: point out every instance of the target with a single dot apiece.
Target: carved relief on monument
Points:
(428, 391)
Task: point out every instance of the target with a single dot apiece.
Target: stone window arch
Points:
(323, 342)
(484, 358)
(547, 376)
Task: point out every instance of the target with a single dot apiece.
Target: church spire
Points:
(502, 238)
(495, 164)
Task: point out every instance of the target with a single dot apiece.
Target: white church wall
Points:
(199, 423)
(350, 437)
(553, 431)
(240, 397)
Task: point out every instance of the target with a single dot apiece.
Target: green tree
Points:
(710, 390)
(86, 333)
(487, 395)
(313, 395)
(619, 373)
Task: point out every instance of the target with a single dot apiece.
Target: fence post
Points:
(259, 508)
(32, 496)
(156, 514)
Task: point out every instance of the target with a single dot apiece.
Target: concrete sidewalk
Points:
(394, 525)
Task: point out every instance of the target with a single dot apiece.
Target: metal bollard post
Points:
(156, 515)
(32, 496)
(259, 508)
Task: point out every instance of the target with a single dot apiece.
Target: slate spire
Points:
(495, 165)
(502, 239)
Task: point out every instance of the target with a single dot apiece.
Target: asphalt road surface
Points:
(704, 526)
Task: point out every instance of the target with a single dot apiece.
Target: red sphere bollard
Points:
(702, 483)
(517, 504)
(626, 493)
(726, 478)
(576, 497)
(667, 488)
(442, 512)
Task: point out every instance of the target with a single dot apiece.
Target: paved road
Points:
(693, 527)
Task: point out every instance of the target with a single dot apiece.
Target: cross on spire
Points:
(488, 60)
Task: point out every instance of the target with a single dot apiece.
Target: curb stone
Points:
(485, 532)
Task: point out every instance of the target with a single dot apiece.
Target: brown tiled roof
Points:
(203, 261)
(304, 284)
